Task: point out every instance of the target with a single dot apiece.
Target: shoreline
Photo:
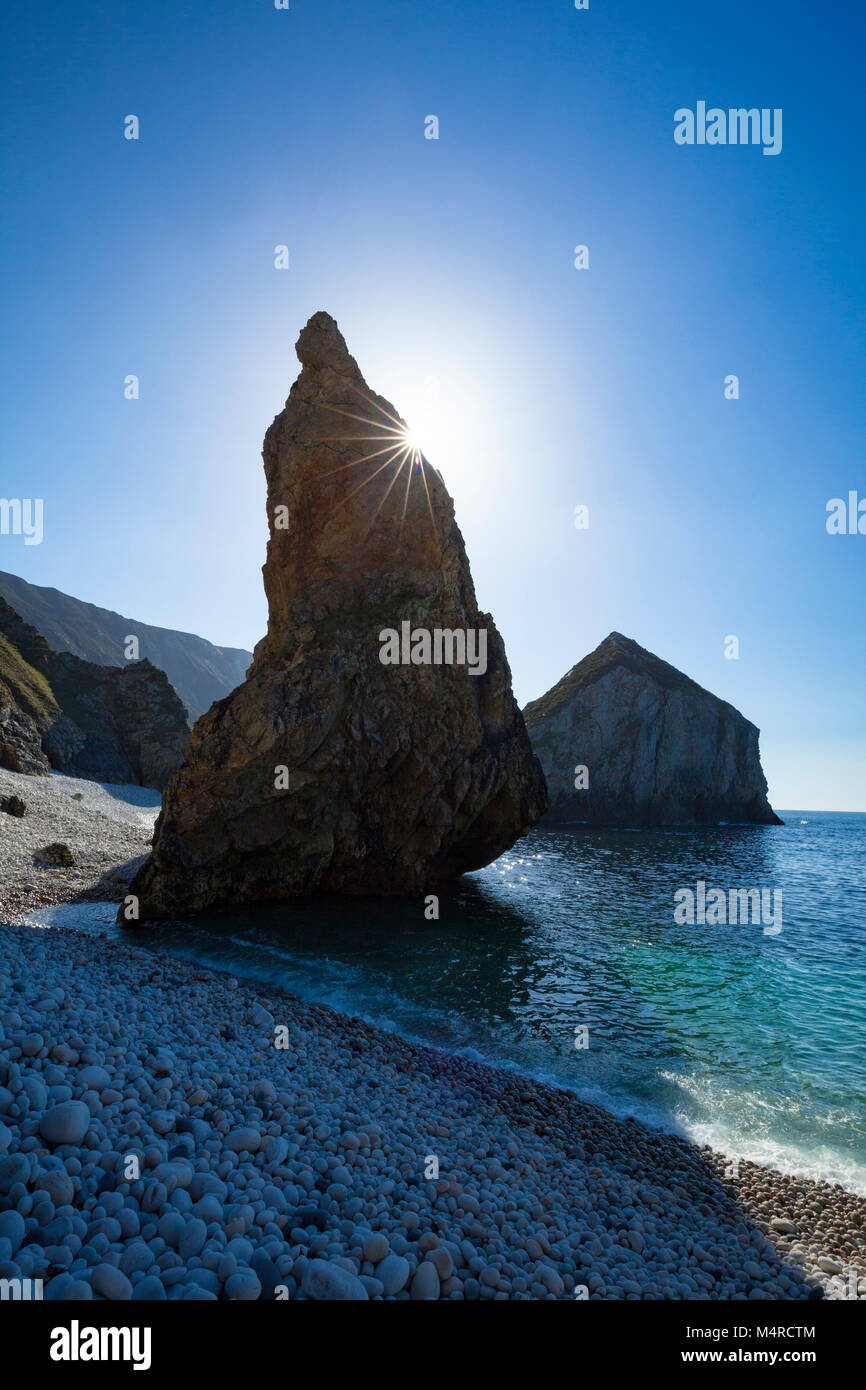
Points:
(620, 1109)
(108, 829)
(539, 1193)
(535, 1157)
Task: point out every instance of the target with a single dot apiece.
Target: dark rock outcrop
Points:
(658, 749)
(199, 671)
(21, 740)
(112, 724)
(56, 855)
(399, 776)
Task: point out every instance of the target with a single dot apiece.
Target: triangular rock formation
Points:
(328, 770)
(654, 746)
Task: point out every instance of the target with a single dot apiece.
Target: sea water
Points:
(750, 1041)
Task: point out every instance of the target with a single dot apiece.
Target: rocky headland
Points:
(328, 769)
(626, 739)
(114, 724)
(199, 671)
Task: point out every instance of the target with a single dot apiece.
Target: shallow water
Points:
(748, 1041)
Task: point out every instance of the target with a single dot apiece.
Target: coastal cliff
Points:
(656, 748)
(199, 671)
(109, 723)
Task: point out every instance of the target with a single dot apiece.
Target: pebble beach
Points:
(170, 1132)
(108, 829)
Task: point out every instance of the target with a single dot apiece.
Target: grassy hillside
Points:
(22, 685)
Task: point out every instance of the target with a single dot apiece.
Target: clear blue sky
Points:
(449, 266)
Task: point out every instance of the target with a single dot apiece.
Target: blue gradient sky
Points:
(449, 267)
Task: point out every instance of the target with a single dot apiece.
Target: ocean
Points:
(564, 960)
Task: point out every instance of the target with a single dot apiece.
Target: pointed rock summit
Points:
(375, 746)
(626, 739)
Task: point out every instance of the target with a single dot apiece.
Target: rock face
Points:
(658, 749)
(199, 671)
(112, 724)
(398, 776)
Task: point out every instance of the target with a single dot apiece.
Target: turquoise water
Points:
(748, 1041)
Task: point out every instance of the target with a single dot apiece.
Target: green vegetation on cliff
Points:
(22, 685)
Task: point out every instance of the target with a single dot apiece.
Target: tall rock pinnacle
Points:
(375, 746)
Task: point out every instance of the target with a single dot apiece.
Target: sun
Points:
(400, 453)
(411, 439)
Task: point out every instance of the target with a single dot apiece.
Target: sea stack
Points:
(645, 745)
(361, 755)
